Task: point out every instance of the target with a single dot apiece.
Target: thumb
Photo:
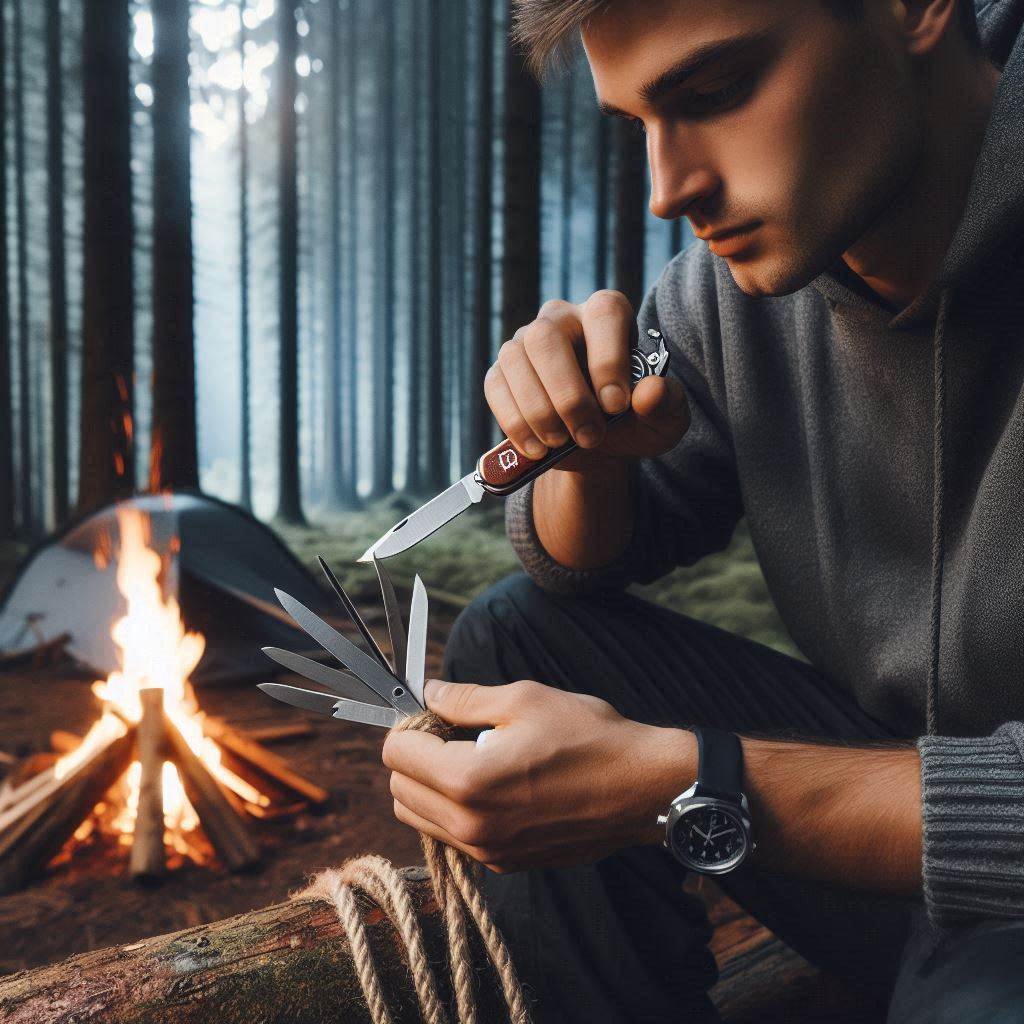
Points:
(660, 403)
(467, 703)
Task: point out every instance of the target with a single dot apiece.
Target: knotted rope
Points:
(456, 881)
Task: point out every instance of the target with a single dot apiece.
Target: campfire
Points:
(153, 770)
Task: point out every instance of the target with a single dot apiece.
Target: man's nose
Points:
(680, 177)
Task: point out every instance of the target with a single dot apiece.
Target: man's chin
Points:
(760, 277)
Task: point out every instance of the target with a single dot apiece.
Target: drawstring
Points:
(938, 504)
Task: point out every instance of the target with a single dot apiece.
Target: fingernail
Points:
(588, 436)
(534, 449)
(613, 398)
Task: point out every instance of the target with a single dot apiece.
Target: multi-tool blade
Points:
(371, 692)
(503, 469)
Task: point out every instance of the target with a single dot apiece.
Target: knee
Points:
(472, 649)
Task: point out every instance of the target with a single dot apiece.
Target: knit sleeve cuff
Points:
(972, 793)
(555, 577)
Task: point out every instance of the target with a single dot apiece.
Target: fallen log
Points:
(290, 963)
(148, 860)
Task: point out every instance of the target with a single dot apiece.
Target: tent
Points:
(222, 570)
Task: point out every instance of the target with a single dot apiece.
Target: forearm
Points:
(585, 520)
(849, 815)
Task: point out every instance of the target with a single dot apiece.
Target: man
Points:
(847, 357)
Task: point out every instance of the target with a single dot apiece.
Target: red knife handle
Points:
(503, 469)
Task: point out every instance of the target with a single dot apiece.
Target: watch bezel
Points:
(689, 802)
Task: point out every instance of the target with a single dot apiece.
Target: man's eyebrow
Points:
(707, 53)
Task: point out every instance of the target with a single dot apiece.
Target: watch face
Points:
(709, 838)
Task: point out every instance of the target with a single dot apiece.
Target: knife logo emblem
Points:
(508, 459)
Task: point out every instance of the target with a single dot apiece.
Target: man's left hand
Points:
(563, 779)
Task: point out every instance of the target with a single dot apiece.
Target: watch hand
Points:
(724, 832)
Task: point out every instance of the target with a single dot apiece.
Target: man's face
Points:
(806, 127)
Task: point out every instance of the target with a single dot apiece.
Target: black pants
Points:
(619, 940)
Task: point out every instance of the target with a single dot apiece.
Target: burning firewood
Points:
(182, 769)
(288, 963)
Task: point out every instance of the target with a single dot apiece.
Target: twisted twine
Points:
(456, 882)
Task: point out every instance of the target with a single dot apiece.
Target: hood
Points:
(991, 228)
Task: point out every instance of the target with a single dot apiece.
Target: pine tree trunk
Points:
(7, 488)
(414, 431)
(106, 457)
(173, 458)
(521, 268)
(289, 506)
(26, 510)
(245, 496)
(350, 346)
(629, 212)
(478, 425)
(384, 262)
(603, 157)
(434, 419)
(58, 264)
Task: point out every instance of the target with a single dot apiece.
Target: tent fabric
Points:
(223, 574)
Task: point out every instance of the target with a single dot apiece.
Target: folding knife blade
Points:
(355, 616)
(417, 654)
(344, 684)
(427, 518)
(396, 630)
(336, 707)
(378, 679)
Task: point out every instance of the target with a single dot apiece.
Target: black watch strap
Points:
(720, 763)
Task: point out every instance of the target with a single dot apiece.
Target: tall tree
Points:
(7, 489)
(27, 517)
(289, 504)
(245, 427)
(383, 376)
(414, 357)
(568, 141)
(478, 419)
(629, 212)
(106, 458)
(601, 156)
(334, 468)
(521, 268)
(436, 461)
(58, 318)
(173, 458)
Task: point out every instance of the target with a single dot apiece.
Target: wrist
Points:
(671, 758)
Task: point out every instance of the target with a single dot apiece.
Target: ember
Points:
(153, 767)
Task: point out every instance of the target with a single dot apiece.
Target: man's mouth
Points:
(731, 241)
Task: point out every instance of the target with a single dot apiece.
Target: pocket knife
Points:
(374, 690)
(503, 469)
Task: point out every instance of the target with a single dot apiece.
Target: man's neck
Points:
(900, 254)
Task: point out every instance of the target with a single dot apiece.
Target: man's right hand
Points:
(539, 392)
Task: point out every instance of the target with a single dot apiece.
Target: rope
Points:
(456, 882)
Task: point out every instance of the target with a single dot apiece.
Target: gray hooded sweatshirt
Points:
(878, 457)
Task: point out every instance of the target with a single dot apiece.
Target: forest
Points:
(270, 248)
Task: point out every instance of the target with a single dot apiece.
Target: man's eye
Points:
(720, 97)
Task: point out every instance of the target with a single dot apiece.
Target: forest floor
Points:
(93, 902)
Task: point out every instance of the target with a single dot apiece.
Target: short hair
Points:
(543, 29)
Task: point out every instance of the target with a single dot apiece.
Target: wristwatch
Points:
(707, 828)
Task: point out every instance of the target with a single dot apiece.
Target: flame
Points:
(156, 651)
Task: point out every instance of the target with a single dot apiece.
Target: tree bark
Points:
(58, 263)
(384, 262)
(245, 427)
(289, 504)
(26, 510)
(521, 268)
(290, 963)
(106, 456)
(350, 346)
(478, 425)
(7, 488)
(629, 212)
(173, 457)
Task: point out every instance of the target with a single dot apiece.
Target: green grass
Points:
(472, 552)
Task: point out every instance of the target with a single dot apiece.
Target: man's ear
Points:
(925, 22)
